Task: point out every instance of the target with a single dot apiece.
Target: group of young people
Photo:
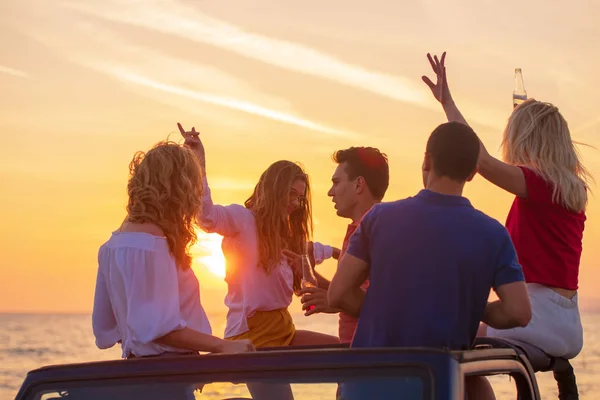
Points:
(411, 272)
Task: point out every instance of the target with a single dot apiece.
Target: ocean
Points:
(29, 341)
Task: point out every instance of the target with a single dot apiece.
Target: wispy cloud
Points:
(13, 72)
(231, 103)
(175, 18)
(160, 73)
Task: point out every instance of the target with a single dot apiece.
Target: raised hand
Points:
(439, 89)
(192, 140)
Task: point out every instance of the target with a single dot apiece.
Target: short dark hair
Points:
(369, 163)
(454, 150)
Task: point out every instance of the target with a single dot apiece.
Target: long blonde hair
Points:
(275, 229)
(165, 188)
(537, 136)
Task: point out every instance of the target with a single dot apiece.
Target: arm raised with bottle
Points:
(506, 176)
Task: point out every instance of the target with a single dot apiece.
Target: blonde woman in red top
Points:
(546, 221)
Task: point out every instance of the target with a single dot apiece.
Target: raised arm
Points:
(506, 176)
(224, 220)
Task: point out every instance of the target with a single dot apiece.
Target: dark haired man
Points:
(359, 181)
(432, 260)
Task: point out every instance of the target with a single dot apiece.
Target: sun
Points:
(210, 255)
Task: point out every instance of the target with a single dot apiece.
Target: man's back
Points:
(434, 259)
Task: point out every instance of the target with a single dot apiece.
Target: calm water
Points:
(28, 341)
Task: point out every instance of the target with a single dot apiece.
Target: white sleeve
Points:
(224, 220)
(104, 323)
(153, 295)
(321, 252)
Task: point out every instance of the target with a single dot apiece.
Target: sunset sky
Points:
(85, 84)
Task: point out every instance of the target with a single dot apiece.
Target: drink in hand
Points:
(308, 276)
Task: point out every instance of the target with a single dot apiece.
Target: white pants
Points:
(555, 325)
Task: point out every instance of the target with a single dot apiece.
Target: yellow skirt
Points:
(269, 328)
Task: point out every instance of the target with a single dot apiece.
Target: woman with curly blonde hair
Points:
(260, 280)
(147, 296)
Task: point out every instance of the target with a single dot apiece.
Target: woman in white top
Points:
(147, 296)
(261, 283)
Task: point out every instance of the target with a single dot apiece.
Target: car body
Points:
(326, 372)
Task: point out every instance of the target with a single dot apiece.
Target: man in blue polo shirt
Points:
(432, 260)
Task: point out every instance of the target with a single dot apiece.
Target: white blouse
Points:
(249, 288)
(141, 295)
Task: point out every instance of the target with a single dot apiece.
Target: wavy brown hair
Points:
(165, 188)
(276, 229)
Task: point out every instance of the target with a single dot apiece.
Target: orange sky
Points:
(85, 86)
